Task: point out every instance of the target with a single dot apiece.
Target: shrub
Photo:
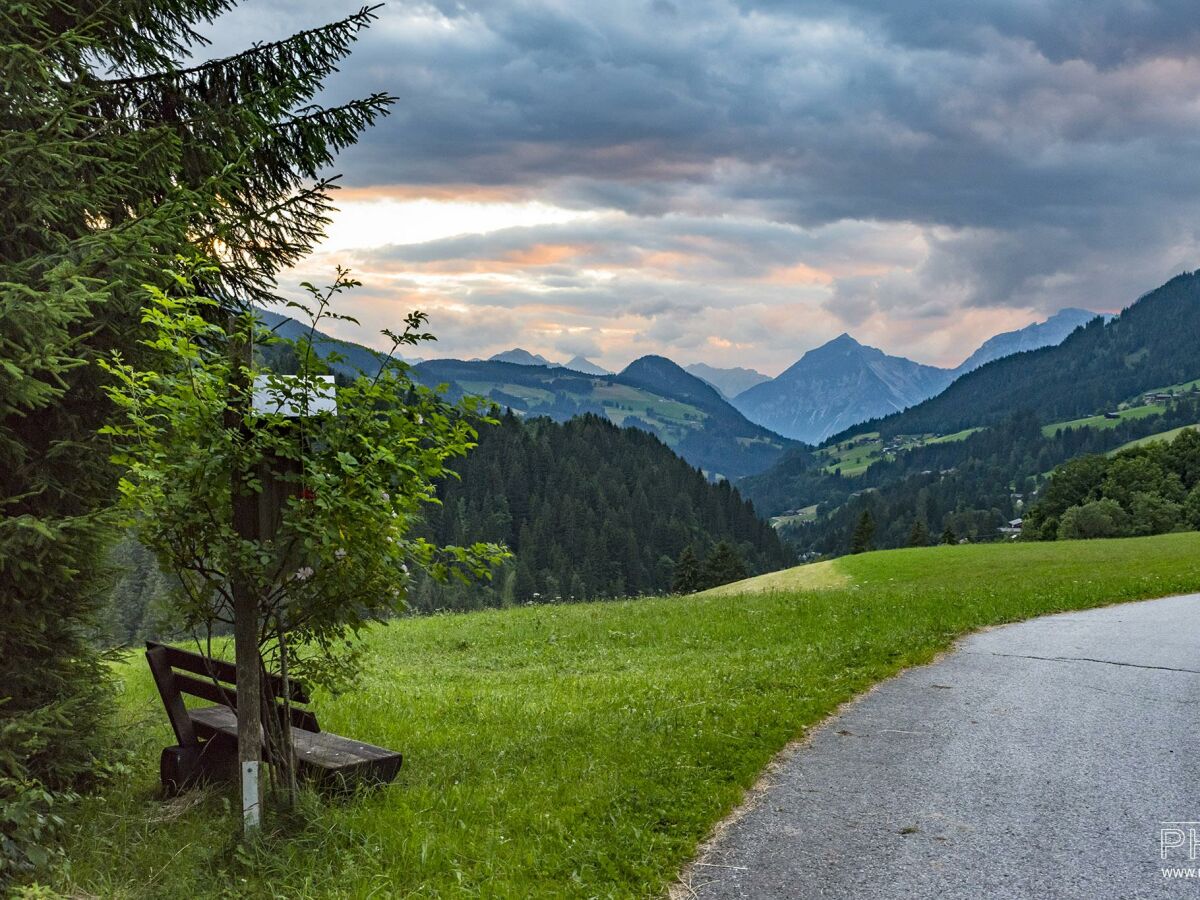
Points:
(1153, 514)
(1098, 519)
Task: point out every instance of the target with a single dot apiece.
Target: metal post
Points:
(247, 659)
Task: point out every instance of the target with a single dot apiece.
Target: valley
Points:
(967, 460)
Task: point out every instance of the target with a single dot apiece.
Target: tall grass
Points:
(583, 751)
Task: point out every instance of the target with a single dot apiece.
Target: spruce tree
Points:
(864, 533)
(918, 535)
(117, 157)
(723, 565)
(687, 578)
(948, 536)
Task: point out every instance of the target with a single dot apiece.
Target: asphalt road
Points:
(1037, 760)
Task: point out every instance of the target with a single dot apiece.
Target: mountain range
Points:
(971, 459)
(652, 393)
(960, 458)
(831, 388)
(522, 357)
(1152, 343)
(842, 383)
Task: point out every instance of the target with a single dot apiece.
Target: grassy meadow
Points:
(1162, 437)
(857, 454)
(583, 750)
(1101, 421)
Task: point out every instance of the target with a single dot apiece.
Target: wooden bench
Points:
(207, 735)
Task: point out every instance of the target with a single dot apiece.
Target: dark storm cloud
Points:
(1048, 148)
(1106, 32)
(832, 109)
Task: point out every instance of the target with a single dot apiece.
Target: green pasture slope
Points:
(857, 454)
(582, 751)
(1161, 438)
(1100, 421)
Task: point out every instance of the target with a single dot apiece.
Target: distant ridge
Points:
(1032, 337)
(583, 364)
(521, 358)
(729, 382)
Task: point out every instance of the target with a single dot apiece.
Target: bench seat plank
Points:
(320, 752)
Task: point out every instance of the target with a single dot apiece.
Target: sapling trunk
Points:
(289, 749)
(245, 600)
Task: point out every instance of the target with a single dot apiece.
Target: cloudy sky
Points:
(737, 182)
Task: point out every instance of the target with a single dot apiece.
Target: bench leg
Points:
(185, 766)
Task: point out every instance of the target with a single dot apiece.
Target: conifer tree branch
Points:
(336, 38)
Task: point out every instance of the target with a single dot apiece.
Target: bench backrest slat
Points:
(222, 670)
(206, 690)
(177, 672)
(214, 693)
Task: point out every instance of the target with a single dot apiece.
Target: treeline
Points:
(1150, 489)
(967, 488)
(589, 510)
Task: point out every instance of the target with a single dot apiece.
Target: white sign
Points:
(276, 394)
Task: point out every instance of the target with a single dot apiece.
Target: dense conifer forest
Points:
(589, 510)
(968, 488)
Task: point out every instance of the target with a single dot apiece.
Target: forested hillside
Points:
(589, 510)
(1152, 343)
(970, 487)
